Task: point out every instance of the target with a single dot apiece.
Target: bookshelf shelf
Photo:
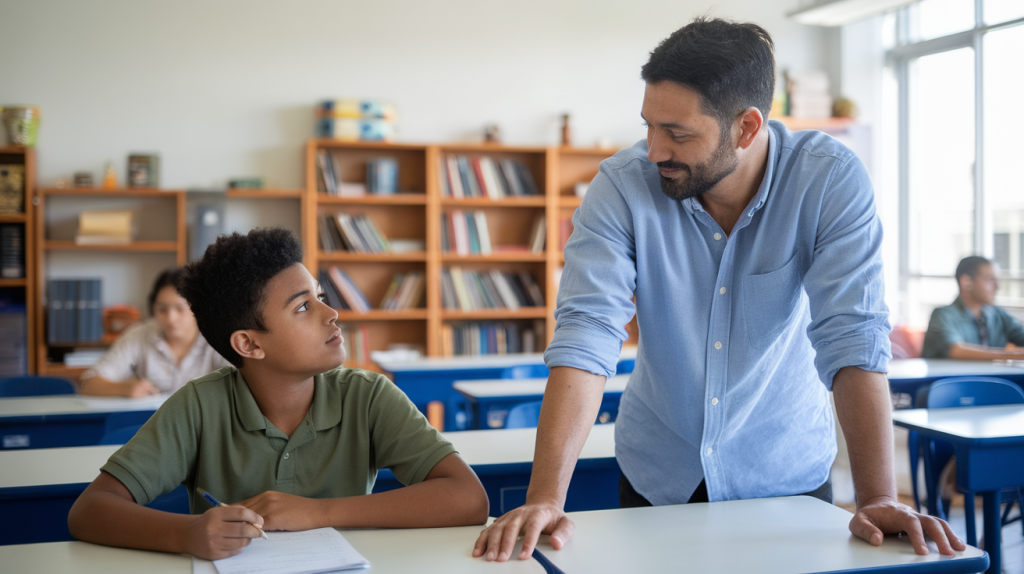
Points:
(14, 282)
(570, 201)
(382, 315)
(503, 256)
(371, 199)
(495, 314)
(538, 201)
(172, 246)
(822, 124)
(117, 192)
(264, 193)
(348, 257)
(13, 218)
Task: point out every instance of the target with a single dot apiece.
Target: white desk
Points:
(475, 362)
(793, 534)
(52, 466)
(63, 420)
(907, 375)
(76, 404)
(491, 399)
(427, 551)
(500, 388)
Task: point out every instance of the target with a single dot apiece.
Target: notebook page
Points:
(307, 552)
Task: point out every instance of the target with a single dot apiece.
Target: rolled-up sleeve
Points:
(598, 282)
(844, 283)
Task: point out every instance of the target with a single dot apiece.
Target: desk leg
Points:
(993, 531)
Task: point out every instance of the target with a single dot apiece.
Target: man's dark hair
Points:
(167, 278)
(730, 64)
(969, 266)
(227, 287)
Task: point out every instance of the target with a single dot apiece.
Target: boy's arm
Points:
(451, 495)
(106, 513)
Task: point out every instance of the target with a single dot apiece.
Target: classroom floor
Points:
(1013, 539)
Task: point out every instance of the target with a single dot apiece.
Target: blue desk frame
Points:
(57, 431)
(490, 412)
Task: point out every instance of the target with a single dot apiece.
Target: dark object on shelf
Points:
(382, 175)
(143, 170)
(116, 319)
(208, 224)
(12, 251)
(13, 343)
(492, 134)
(566, 133)
(246, 183)
(12, 188)
(74, 311)
(83, 179)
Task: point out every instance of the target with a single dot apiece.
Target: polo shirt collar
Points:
(693, 205)
(325, 412)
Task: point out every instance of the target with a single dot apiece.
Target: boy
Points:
(289, 437)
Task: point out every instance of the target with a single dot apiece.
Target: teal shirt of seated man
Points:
(973, 327)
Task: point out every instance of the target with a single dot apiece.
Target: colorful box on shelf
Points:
(354, 120)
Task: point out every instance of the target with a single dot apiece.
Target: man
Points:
(973, 327)
(753, 254)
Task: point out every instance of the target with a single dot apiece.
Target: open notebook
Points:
(307, 552)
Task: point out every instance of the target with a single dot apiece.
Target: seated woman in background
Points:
(156, 355)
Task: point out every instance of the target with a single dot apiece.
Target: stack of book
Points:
(405, 291)
(341, 291)
(465, 232)
(355, 233)
(104, 228)
(356, 342)
(488, 338)
(470, 290)
(462, 176)
(12, 251)
(75, 313)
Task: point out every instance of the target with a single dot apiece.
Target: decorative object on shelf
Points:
(110, 177)
(382, 175)
(245, 183)
(492, 134)
(61, 183)
(116, 319)
(104, 228)
(83, 179)
(12, 188)
(809, 95)
(143, 170)
(844, 108)
(353, 120)
(21, 123)
(566, 131)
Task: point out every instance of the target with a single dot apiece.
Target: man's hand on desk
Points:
(883, 515)
(532, 519)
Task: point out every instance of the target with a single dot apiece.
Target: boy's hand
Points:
(221, 532)
(285, 511)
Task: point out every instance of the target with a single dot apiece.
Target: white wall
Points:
(226, 88)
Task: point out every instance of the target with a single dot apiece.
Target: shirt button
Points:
(718, 236)
(710, 450)
(722, 290)
(718, 345)
(286, 456)
(714, 401)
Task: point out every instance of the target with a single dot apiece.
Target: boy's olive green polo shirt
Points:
(211, 434)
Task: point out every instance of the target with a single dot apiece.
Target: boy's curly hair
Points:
(226, 288)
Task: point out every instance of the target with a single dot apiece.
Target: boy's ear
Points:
(244, 343)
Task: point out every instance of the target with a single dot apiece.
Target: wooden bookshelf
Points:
(416, 213)
(23, 289)
(53, 236)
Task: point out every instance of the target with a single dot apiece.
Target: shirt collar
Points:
(693, 205)
(325, 412)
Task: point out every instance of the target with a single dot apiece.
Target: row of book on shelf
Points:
(75, 311)
(470, 290)
(12, 251)
(356, 342)
(359, 234)
(381, 176)
(463, 176)
(404, 292)
(489, 338)
(466, 232)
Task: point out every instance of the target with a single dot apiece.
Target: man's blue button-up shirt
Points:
(740, 335)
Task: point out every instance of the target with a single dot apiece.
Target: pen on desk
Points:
(214, 502)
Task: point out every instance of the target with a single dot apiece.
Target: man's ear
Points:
(749, 125)
(245, 344)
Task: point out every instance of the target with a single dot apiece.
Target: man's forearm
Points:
(968, 351)
(571, 401)
(865, 413)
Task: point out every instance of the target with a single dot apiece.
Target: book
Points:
(105, 227)
(538, 233)
(12, 251)
(454, 180)
(351, 294)
(483, 234)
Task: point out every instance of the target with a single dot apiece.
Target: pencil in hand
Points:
(214, 502)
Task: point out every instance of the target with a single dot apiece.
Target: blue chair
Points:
(523, 416)
(35, 387)
(173, 501)
(525, 372)
(963, 392)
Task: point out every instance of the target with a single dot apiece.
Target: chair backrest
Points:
(129, 419)
(525, 372)
(35, 387)
(973, 392)
(120, 435)
(523, 416)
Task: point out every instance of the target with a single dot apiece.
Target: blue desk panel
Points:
(54, 431)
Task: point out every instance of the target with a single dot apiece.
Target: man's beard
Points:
(702, 176)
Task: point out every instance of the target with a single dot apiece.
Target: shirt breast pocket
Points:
(769, 300)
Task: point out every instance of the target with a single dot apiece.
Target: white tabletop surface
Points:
(72, 465)
(475, 362)
(794, 534)
(523, 387)
(427, 551)
(968, 422)
(76, 404)
(921, 368)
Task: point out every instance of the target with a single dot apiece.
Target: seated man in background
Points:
(973, 327)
